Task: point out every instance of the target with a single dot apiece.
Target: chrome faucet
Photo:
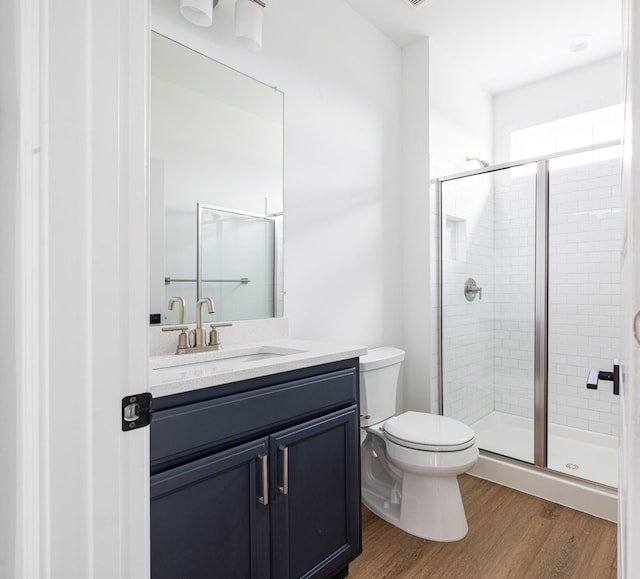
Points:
(180, 301)
(199, 332)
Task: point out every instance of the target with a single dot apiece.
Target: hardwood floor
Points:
(511, 535)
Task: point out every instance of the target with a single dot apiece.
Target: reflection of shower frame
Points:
(276, 218)
(541, 285)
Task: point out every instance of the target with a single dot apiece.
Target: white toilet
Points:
(410, 462)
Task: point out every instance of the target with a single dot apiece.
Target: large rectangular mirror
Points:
(216, 142)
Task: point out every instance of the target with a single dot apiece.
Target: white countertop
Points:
(284, 354)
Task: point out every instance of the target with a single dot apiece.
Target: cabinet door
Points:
(208, 517)
(315, 511)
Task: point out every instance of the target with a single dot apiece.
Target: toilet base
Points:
(431, 508)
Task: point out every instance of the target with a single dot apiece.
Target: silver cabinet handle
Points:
(264, 499)
(284, 489)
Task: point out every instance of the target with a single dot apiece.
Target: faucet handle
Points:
(214, 338)
(183, 338)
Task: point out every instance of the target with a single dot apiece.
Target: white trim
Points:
(32, 546)
(581, 496)
(79, 262)
(629, 514)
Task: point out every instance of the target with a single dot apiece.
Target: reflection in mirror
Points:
(216, 140)
(236, 262)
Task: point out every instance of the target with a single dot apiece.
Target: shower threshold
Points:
(588, 455)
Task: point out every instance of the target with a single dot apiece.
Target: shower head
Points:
(482, 163)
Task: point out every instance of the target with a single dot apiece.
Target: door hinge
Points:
(137, 411)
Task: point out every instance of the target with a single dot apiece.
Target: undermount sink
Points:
(217, 361)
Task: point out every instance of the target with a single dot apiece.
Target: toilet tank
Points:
(379, 371)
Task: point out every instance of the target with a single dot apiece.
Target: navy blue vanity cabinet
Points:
(206, 503)
(312, 515)
(258, 479)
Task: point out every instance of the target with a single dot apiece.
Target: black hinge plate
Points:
(137, 411)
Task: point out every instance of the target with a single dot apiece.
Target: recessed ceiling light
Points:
(579, 42)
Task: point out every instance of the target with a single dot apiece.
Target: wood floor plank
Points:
(512, 535)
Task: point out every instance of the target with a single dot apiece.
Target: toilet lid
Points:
(428, 432)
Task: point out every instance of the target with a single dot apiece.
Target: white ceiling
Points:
(503, 44)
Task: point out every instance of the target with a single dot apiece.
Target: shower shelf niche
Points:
(455, 238)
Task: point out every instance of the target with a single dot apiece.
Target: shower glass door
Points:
(488, 317)
(531, 307)
(236, 262)
(586, 228)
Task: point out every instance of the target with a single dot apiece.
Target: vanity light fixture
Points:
(198, 12)
(249, 22)
(248, 18)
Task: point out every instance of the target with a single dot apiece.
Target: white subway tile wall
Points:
(488, 352)
(586, 228)
(515, 230)
(468, 326)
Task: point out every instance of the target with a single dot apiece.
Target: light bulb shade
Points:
(249, 23)
(198, 12)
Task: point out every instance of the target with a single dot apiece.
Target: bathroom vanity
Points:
(257, 477)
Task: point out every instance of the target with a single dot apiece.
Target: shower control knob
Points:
(471, 289)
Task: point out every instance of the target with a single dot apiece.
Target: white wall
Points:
(581, 90)
(460, 126)
(460, 114)
(341, 79)
(416, 226)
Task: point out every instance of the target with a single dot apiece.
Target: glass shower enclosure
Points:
(530, 303)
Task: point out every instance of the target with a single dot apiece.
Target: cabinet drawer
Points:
(187, 431)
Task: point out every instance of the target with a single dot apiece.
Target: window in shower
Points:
(583, 130)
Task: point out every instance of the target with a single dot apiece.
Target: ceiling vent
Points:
(416, 3)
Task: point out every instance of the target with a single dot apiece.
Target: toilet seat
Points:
(429, 432)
